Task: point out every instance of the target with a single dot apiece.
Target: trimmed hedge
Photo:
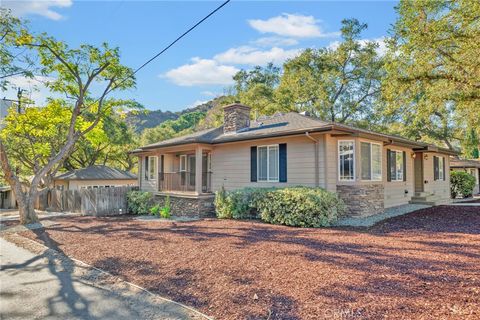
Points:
(461, 183)
(293, 206)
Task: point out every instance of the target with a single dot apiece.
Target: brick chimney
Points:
(236, 117)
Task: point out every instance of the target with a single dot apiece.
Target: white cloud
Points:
(197, 103)
(38, 7)
(209, 93)
(275, 42)
(253, 56)
(202, 72)
(35, 88)
(291, 25)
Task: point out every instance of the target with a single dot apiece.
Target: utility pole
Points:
(19, 97)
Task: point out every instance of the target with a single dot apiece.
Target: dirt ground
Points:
(424, 265)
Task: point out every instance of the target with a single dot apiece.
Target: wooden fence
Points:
(94, 202)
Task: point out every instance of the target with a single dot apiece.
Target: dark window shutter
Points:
(146, 168)
(435, 168)
(253, 164)
(444, 173)
(389, 165)
(404, 166)
(283, 162)
(162, 167)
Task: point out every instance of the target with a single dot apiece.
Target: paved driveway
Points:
(32, 287)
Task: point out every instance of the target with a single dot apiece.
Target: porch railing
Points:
(183, 181)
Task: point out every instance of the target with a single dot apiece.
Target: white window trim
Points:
(268, 163)
(371, 158)
(209, 162)
(339, 164)
(183, 156)
(155, 171)
(396, 173)
(440, 169)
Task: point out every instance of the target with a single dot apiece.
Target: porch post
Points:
(198, 169)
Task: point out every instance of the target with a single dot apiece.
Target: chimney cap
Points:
(236, 104)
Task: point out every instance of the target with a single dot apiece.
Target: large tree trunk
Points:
(27, 212)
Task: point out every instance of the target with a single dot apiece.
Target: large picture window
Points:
(152, 167)
(268, 163)
(397, 165)
(346, 160)
(371, 161)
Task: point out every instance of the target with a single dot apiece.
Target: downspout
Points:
(317, 167)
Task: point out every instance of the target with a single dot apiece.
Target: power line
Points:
(181, 36)
(167, 47)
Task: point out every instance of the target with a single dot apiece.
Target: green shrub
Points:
(461, 183)
(155, 210)
(301, 207)
(139, 202)
(294, 206)
(165, 212)
(238, 204)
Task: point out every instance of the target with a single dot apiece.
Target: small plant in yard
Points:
(155, 210)
(461, 183)
(139, 202)
(165, 211)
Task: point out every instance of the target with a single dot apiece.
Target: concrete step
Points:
(426, 198)
(422, 194)
(427, 203)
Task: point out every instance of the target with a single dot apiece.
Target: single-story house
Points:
(94, 177)
(7, 198)
(370, 171)
(469, 166)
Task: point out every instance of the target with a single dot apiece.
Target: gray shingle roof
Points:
(97, 173)
(464, 163)
(278, 125)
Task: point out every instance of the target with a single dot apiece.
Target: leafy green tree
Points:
(74, 72)
(433, 71)
(12, 61)
(256, 88)
(339, 84)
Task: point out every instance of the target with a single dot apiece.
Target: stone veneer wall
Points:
(189, 206)
(362, 200)
(235, 117)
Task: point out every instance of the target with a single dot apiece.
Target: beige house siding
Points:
(231, 163)
(398, 192)
(231, 167)
(440, 187)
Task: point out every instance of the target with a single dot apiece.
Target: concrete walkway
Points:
(371, 220)
(44, 287)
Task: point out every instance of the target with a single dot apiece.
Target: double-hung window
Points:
(152, 167)
(267, 160)
(396, 165)
(346, 160)
(371, 161)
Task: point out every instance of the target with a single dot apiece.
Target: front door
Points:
(418, 167)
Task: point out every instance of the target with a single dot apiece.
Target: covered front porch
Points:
(185, 171)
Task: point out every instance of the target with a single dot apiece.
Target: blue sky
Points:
(199, 67)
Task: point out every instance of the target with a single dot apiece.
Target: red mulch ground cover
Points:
(424, 265)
